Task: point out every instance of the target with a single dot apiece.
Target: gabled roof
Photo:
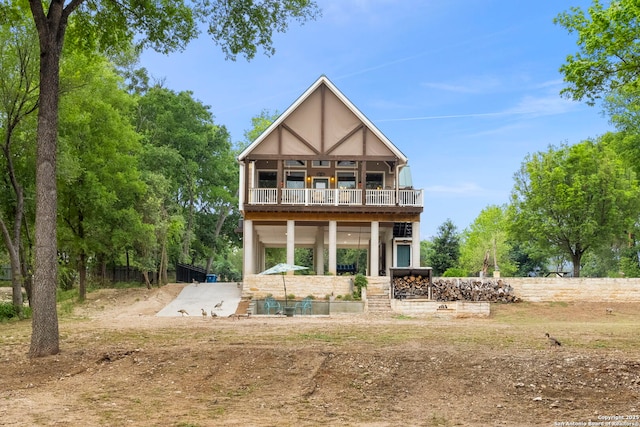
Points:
(323, 80)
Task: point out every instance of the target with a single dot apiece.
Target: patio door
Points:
(321, 183)
(403, 255)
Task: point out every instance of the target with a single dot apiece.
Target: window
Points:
(346, 164)
(375, 181)
(295, 163)
(346, 180)
(267, 179)
(320, 163)
(295, 179)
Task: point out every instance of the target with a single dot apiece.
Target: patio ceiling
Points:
(274, 236)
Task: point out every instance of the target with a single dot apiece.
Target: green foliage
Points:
(574, 199)
(445, 250)
(455, 272)
(259, 124)
(8, 311)
(240, 27)
(630, 263)
(485, 245)
(608, 55)
(359, 281)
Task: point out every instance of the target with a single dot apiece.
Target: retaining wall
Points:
(259, 286)
(417, 307)
(537, 289)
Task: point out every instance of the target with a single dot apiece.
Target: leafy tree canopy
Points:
(608, 57)
(573, 199)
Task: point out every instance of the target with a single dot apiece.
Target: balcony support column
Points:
(291, 242)
(415, 244)
(333, 247)
(374, 249)
(319, 258)
(248, 249)
(389, 250)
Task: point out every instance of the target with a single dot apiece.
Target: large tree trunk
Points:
(45, 334)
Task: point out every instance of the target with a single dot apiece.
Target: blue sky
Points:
(465, 88)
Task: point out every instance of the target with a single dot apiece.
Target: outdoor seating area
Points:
(303, 307)
(271, 304)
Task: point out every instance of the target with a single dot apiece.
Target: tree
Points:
(446, 248)
(608, 58)
(259, 124)
(238, 27)
(196, 157)
(99, 182)
(486, 239)
(18, 101)
(573, 199)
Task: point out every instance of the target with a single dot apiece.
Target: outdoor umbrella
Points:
(281, 269)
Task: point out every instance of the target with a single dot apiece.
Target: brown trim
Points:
(332, 216)
(364, 142)
(322, 116)
(320, 157)
(298, 137)
(344, 138)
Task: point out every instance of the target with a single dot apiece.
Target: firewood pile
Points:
(410, 286)
(472, 289)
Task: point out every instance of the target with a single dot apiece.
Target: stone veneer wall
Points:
(415, 307)
(259, 286)
(537, 289)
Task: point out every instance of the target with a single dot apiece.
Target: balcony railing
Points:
(335, 197)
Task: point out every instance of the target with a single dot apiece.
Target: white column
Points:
(333, 247)
(320, 251)
(389, 250)
(247, 248)
(291, 241)
(374, 250)
(415, 244)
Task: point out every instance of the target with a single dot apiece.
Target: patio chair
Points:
(304, 306)
(270, 303)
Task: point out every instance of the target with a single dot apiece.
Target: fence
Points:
(188, 273)
(5, 272)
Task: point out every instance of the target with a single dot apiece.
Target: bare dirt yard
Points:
(120, 365)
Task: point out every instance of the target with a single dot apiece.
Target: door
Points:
(403, 253)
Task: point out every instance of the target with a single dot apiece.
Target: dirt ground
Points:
(120, 365)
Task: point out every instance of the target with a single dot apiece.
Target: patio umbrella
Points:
(281, 269)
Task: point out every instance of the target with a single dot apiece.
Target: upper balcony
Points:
(336, 197)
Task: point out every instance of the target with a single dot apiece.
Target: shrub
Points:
(360, 281)
(455, 272)
(8, 311)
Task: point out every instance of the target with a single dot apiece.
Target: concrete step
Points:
(378, 303)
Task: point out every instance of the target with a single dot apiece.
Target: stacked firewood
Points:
(411, 286)
(472, 289)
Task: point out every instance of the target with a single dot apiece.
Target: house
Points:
(322, 176)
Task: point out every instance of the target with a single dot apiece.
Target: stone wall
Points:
(259, 286)
(418, 307)
(537, 289)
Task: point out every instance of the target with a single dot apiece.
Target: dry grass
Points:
(120, 365)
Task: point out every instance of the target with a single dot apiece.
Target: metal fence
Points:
(5, 272)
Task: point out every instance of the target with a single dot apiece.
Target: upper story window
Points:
(267, 179)
(346, 180)
(295, 163)
(375, 181)
(346, 164)
(295, 179)
(320, 163)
